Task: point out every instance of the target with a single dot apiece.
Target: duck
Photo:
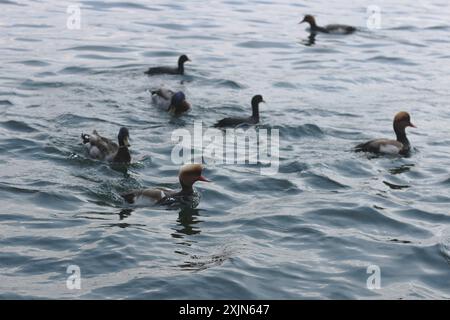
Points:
(253, 119)
(332, 28)
(169, 70)
(400, 146)
(172, 102)
(188, 175)
(102, 148)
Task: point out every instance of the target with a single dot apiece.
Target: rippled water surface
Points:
(310, 231)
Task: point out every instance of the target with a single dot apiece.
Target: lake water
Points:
(311, 231)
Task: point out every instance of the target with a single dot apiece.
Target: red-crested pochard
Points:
(189, 174)
(402, 120)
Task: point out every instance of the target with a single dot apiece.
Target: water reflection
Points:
(125, 213)
(199, 263)
(310, 41)
(187, 219)
(122, 168)
(395, 186)
(401, 169)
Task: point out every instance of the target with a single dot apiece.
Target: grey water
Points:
(312, 231)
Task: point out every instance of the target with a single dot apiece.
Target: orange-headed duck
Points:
(189, 174)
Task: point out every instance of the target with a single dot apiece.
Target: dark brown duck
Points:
(253, 119)
(331, 28)
(169, 70)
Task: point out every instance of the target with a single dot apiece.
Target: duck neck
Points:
(181, 67)
(401, 136)
(255, 111)
(186, 189)
(122, 143)
(123, 154)
(312, 24)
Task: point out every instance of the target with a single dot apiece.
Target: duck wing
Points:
(153, 194)
(100, 147)
(381, 146)
(163, 93)
(162, 98)
(231, 122)
(162, 70)
(340, 29)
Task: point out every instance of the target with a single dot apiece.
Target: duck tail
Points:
(129, 197)
(361, 147)
(86, 138)
(218, 124)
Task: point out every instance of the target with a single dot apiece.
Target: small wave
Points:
(5, 103)
(99, 48)
(74, 70)
(36, 85)
(222, 83)
(13, 3)
(293, 167)
(34, 63)
(319, 181)
(268, 185)
(34, 26)
(305, 130)
(114, 5)
(263, 44)
(284, 84)
(14, 125)
(392, 60)
(441, 27)
(160, 54)
(170, 26)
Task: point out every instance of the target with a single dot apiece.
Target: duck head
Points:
(189, 174)
(309, 19)
(123, 137)
(402, 120)
(182, 59)
(256, 100)
(178, 103)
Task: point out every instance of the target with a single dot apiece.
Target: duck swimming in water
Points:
(104, 149)
(400, 146)
(332, 28)
(189, 174)
(168, 70)
(253, 119)
(173, 102)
